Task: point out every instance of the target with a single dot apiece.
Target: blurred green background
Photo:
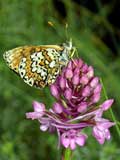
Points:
(95, 30)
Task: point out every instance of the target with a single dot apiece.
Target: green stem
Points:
(67, 154)
(111, 112)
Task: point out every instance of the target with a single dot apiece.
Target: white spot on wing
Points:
(22, 72)
(30, 81)
(34, 69)
(39, 55)
(52, 53)
(52, 64)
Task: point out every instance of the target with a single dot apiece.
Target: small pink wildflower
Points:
(76, 91)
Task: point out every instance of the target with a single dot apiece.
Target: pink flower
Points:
(72, 137)
(76, 91)
(101, 130)
(39, 109)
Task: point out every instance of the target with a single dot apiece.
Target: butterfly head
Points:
(68, 51)
(69, 48)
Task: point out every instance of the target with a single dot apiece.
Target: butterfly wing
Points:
(37, 65)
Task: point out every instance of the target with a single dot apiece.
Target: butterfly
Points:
(39, 66)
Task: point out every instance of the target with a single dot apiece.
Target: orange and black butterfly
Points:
(39, 65)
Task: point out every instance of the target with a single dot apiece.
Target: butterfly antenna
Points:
(69, 40)
(52, 25)
(66, 31)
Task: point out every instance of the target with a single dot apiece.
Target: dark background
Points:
(95, 29)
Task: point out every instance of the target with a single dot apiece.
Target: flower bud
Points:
(62, 82)
(68, 94)
(54, 91)
(57, 107)
(75, 80)
(68, 73)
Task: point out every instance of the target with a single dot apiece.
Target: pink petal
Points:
(98, 134)
(72, 144)
(77, 71)
(80, 140)
(107, 134)
(84, 67)
(69, 65)
(62, 83)
(43, 127)
(97, 89)
(65, 141)
(75, 79)
(38, 107)
(57, 107)
(101, 140)
(95, 98)
(68, 93)
(94, 82)
(34, 115)
(98, 114)
(90, 72)
(84, 80)
(107, 104)
(80, 63)
(105, 124)
(82, 107)
(86, 91)
(68, 73)
(54, 91)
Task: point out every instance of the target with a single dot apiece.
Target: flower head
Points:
(78, 86)
(76, 91)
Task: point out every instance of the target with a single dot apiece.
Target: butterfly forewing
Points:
(37, 65)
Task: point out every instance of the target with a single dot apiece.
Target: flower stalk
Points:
(111, 112)
(67, 154)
